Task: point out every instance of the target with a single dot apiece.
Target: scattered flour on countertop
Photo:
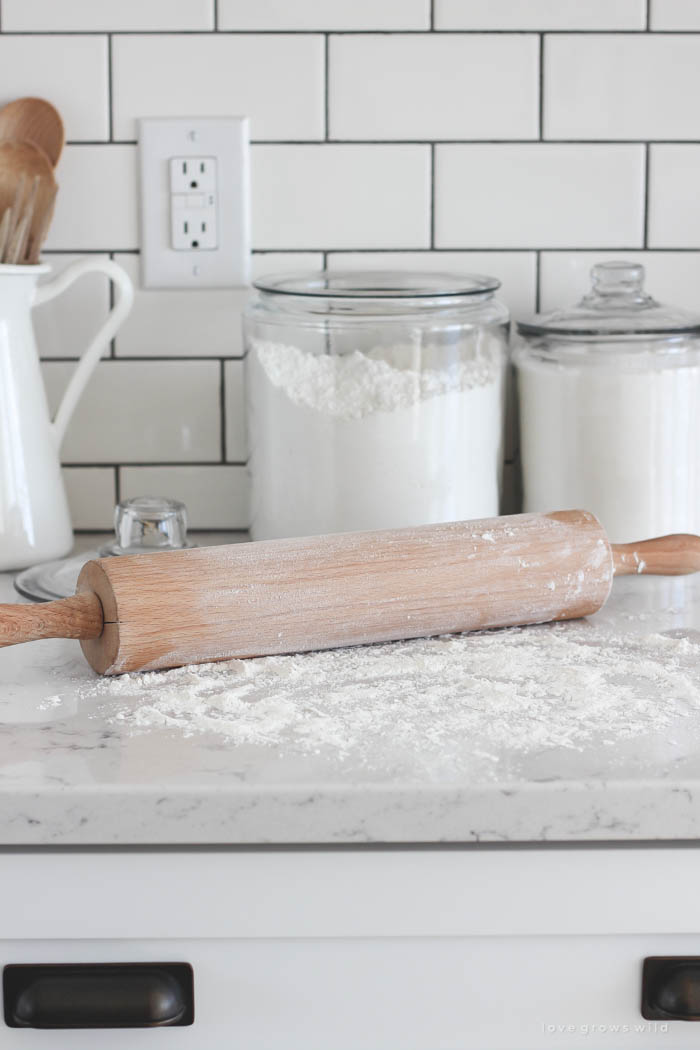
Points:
(438, 701)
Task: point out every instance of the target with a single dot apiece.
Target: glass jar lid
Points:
(377, 284)
(616, 306)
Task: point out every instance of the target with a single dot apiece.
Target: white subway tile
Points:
(324, 14)
(544, 195)
(639, 86)
(69, 71)
(142, 411)
(671, 277)
(276, 81)
(515, 270)
(675, 14)
(96, 207)
(236, 439)
(91, 15)
(540, 14)
(432, 86)
(215, 497)
(674, 177)
(65, 325)
(91, 496)
(338, 196)
(193, 323)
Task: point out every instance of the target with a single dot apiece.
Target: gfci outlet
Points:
(195, 211)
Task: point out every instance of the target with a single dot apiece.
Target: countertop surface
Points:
(72, 772)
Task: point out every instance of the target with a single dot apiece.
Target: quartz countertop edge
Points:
(565, 812)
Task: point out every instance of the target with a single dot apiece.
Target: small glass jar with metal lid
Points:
(375, 400)
(609, 401)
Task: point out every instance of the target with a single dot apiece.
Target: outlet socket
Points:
(195, 212)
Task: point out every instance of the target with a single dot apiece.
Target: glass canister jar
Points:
(609, 400)
(375, 400)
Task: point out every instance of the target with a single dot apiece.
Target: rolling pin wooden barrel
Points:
(150, 611)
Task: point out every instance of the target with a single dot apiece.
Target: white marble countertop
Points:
(70, 775)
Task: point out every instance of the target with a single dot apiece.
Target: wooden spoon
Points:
(26, 180)
(34, 120)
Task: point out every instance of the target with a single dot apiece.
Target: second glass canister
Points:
(609, 394)
(375, 400)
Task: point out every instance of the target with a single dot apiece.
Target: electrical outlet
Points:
(195, 212)
(194, 204)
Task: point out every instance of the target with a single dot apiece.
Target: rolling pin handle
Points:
(675, 555)
(77, 617)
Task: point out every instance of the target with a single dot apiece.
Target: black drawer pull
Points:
(98, 995)
(671, 988)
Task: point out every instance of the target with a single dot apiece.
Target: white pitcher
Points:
(35, 523)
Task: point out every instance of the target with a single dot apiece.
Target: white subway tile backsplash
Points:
(675, 14)
(215, 497)
(275, 80)
(671, 277)
(236, 440)
(65, 325)
(90, 15)
(540, 195)
(380, 145)
(91, 496)
(540, 14)
(622, 87)
(143, 412)
(674, 177)
(69, 71)
(96, 207)
(188, 323)
(324, 14)
(341, 196)
(431, 86)
(515, 270)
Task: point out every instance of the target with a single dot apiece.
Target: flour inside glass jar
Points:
(389, 437)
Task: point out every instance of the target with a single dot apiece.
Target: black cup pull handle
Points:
(671, 988)
(98, 995)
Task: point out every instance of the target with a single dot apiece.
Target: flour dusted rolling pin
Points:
(283, 596)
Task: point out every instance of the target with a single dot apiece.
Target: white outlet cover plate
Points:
(226, 139)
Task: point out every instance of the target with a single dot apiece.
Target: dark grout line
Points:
(117, 486)
(541, 88)
(537, 282)
(648, 15)
(326, 87)
(216, 16)
(109, 85)
(155, 463)
(136, 358)
(631, 31)
(432, 15)
(432, 196)
(647, 157)
(222, 408)
(534, 141)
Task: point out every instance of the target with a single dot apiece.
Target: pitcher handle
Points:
(90, 356)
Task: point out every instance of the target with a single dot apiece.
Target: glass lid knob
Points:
(617, 282)
(614, 278)
(150, 523)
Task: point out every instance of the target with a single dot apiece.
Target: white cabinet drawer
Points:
(423, 949)
(480, 993)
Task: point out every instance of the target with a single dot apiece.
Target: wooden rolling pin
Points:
(283, 596)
